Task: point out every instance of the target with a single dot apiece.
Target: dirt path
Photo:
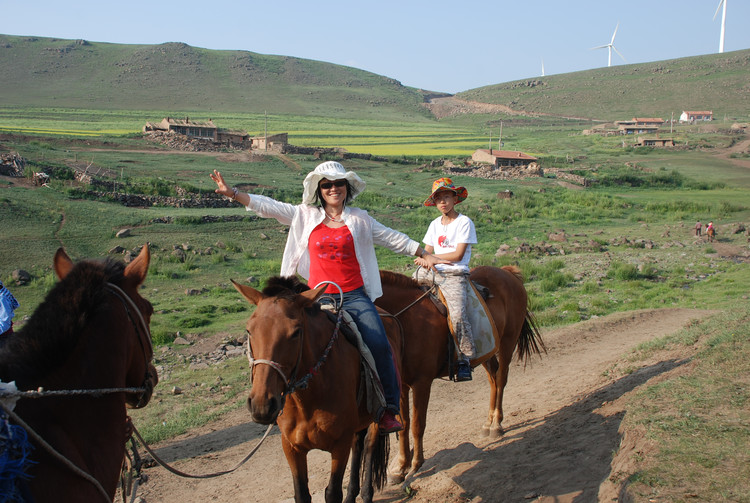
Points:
(562, 418)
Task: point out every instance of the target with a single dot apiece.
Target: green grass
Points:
(599, 270)
(698, 421)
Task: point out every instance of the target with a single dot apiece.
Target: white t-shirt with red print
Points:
(445, 238)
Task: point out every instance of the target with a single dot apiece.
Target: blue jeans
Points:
(366, 316)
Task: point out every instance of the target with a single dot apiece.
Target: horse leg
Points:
(298, 465)
(421, 398)
(339, 459)
(403, 460)
(354, 471)
(492, 427)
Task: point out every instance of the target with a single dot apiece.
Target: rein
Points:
(432, 289)
(179, 473)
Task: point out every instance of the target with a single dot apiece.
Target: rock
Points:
(21, 277)
(263, 236)
(123, 233)
(181, 340)
(180, 254)
(559, 237)
(504, 249)
(176, 390)
(116, 250)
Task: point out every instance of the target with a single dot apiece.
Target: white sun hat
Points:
(330, 170)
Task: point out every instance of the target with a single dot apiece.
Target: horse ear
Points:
(136, 271)
(62, 263)
(314, 295)
(252, 295)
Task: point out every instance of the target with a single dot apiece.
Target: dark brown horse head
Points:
(141, 373)
(277, 333)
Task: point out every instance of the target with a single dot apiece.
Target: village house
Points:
(648, 121)
(503, 158)
(197, 129)
(700, 116)
(273, 143)
(654, 142)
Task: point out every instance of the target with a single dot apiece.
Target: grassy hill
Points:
(718, 82)
(46, 72)
(76, 74)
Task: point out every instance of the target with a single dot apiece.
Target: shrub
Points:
(622, 271)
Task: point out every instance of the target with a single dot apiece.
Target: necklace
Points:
(332, 219)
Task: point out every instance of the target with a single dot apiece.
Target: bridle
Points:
(144, 339)
(292, 384)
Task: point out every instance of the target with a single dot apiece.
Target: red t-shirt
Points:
(332, 258)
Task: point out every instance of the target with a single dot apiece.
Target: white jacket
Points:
(366, 232)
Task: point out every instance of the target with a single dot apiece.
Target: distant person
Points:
(330, 241)
(8, 306)
(710, 231)
(450, 237)
(698, 227)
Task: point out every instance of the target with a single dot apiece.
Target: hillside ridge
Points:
(176, 77)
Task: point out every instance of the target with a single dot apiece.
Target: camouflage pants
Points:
(454, 287)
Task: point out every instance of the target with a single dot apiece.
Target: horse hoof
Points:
(485, 431)
(395, 478)
(496, 432)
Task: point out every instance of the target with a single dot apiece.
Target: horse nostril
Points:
(249, 404)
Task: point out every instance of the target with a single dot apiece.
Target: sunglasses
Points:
(328, 185)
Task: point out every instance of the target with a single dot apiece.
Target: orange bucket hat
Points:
(446, 184)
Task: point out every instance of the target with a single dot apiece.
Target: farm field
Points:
(624, 245)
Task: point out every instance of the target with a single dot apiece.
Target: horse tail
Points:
(530, 342)
(380, 455)
(514, 270)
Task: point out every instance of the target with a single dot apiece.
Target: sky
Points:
(434, 45)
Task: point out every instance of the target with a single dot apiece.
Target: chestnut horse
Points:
(290, 335)
(426, 349)
(90, 333)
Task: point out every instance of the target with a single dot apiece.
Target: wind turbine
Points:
(723, 22)
(611, 46)
(542, 67)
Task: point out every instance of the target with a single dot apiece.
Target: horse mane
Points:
(284, 286)
(47, 339)
(398, 280)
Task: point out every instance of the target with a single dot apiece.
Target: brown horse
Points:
(290, 335)
(90, 333)
(426, 350)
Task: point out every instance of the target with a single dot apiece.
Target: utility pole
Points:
(500, 138)
(265, 134)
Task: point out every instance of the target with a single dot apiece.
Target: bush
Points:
(622, 271)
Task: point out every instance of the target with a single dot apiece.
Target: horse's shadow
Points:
(576, 439)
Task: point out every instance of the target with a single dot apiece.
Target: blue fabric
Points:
(8, 304)
(15, 449)
(366, 316)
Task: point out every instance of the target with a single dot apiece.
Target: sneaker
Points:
(388, 423)
(463, 372)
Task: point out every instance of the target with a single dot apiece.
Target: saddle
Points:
(486, 337)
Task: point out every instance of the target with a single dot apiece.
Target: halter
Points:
(293, 384)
